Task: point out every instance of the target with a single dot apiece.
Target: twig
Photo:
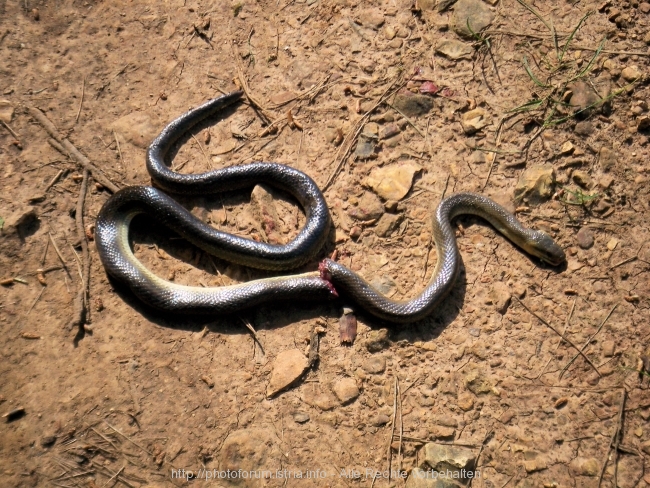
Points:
(561, 335)
(408, 119)
(614, 442)
(487, 437)
(588, 341)
(58, 253)
(71, 150)
(36, 301)
(497, 142)
(265, 115)
(54, 180)
(566, 327)
(119, 151)
(253, 333)
(201, 149)
(81, 301)
(401, 429)
(114, 476)
(128, 438)
(11, 131)
(389, 455)
(348, 141)
(81, 102)
(104, 437)
(47, 247)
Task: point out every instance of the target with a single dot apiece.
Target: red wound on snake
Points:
(326, 276)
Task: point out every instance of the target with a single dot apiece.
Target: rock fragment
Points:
(454, 49)
(607, 158)
(631, 73)
(288, 367)
(374, 365)
(473, 121)
(387, 224)
(393, 182)
(442, 458)
(413, 105)
(301, 417)
(535, 184)
(470, 17)
(583, 99)
(584, 467)
(6, 111)
(266, 213)
(377, 340)
(368, 208)
(365, 148)
(585, 238)
(346, 390)
(501, 296)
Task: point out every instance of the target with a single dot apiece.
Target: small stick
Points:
(357, 130)
(70, 150)
(58, 253)
(411, 123)
(35, 301)
(494, 156)
(389, 455)
(566, 327)
(616, 438)
(81, 102)
(562, 336)
(47, 246)
(81, 301)
(119, 151)
(54, 180)
(401, 429)
(588, 340)
(57, 146)
(10, 130)
(252, 330)
(201, 148)
(487, 437)
(127, 438)
(114, 476)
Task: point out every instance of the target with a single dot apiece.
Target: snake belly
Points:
(332, 278)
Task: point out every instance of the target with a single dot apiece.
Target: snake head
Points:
(545, 248)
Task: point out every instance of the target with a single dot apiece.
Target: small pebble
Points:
(585, 238)
(631, 73)
(301, 417)
(609, 348)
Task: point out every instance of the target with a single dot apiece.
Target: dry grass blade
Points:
(566, 339)
(589, 340)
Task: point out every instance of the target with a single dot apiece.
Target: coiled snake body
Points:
(332, 278)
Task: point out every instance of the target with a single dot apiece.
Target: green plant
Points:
(556, 75)
(579, 198)
(2, 223)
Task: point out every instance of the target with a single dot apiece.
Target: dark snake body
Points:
(112, 237)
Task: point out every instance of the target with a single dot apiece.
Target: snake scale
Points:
(331, 279)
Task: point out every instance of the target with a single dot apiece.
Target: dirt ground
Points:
(137, 396)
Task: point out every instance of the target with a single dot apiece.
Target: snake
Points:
(331, 280)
